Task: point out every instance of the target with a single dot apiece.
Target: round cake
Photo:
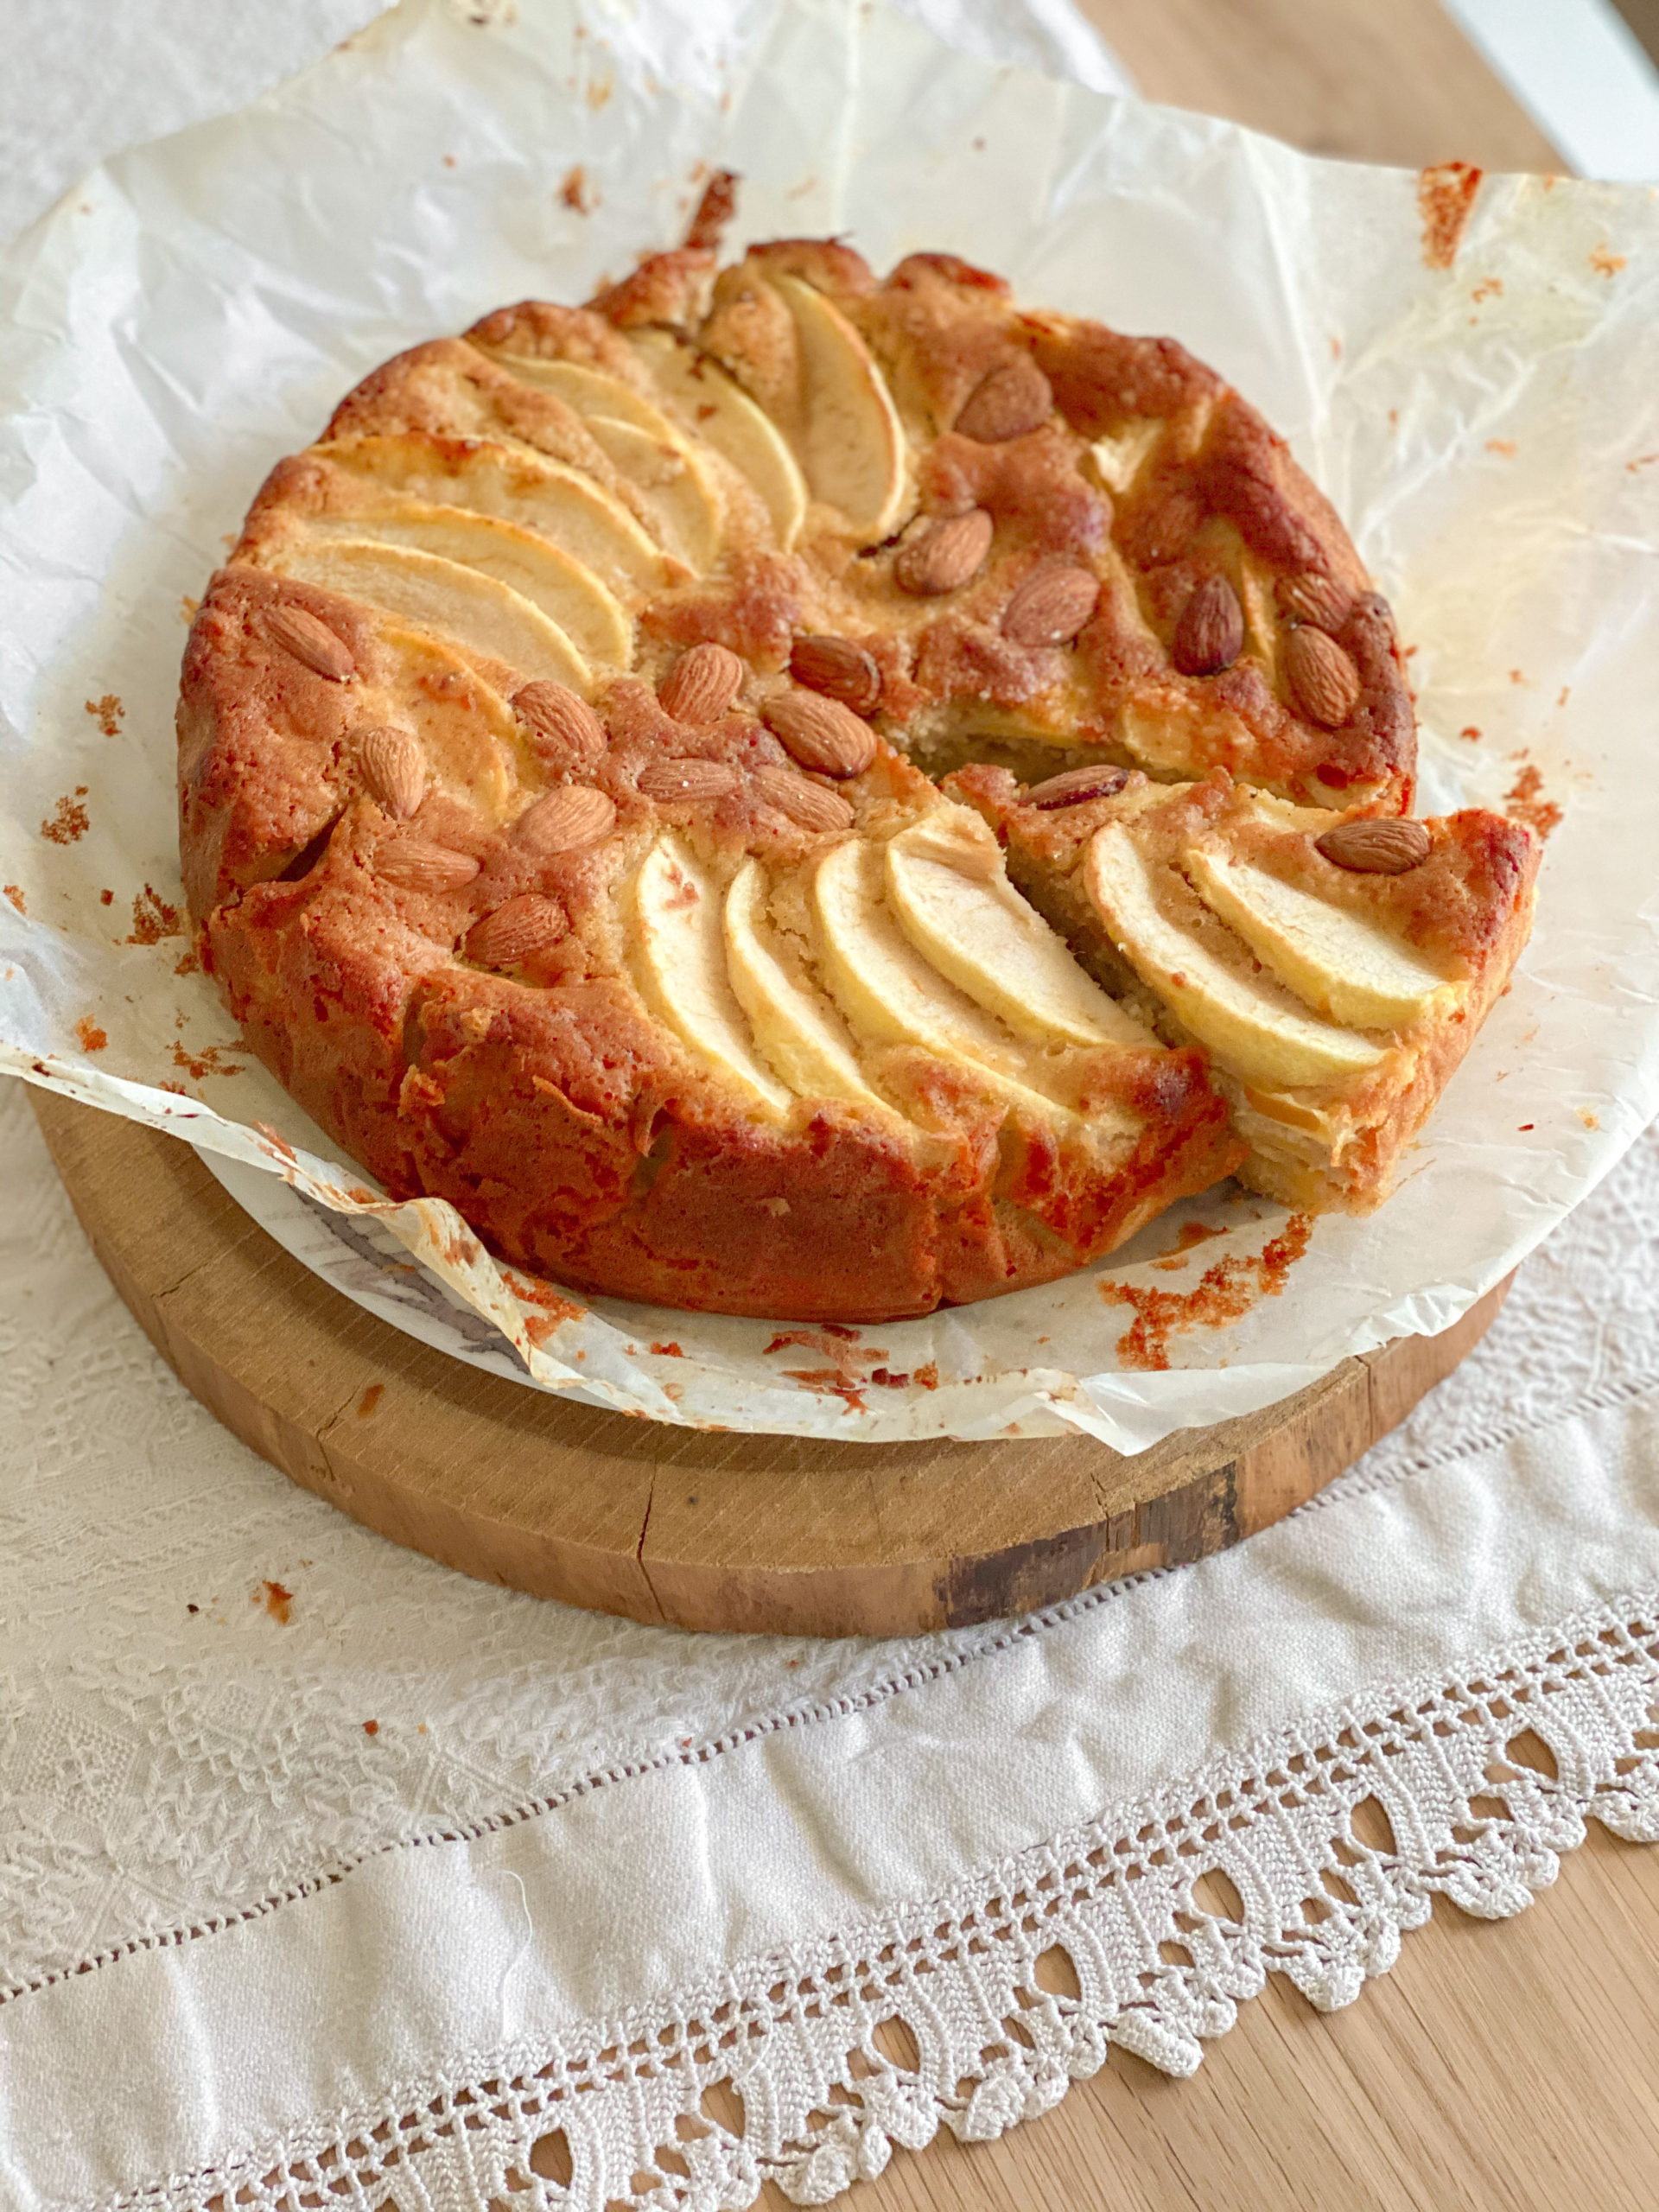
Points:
(561, 755)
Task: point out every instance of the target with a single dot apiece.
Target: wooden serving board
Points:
(775, 1534)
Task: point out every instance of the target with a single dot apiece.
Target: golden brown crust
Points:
(669, 288)
(441, 969)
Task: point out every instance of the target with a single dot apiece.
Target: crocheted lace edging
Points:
(1309, 1855)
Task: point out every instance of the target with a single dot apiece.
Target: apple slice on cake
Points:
(713, 403)
(1335, 972)
(680, 957)
(796, 1026)
(511, 483)
(948, 886)
(442, 598)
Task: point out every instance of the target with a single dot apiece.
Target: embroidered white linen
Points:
(581, 1870)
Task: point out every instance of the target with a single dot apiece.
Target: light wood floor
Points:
(1502, 2067)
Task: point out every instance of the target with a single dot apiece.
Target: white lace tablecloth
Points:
(324, 1868)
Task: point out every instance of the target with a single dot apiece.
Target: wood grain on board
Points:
(776, 1534)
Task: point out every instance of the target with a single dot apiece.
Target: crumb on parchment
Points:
(153, 918)
(69, 821)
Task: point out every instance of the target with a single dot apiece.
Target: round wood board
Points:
(776, 1534)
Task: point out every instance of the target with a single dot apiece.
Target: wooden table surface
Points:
(1499, 2068)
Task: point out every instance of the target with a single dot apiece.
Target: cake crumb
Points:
(1224, 1293)
(14, 893)
(92, 1038)
(107, 713)
(209, 1060)
(831, 1381)
(370, 1728)
(277, 1601)
(554, 1309)
(69, 822)
(578, 192)
(153, 918)
(1446, 195)
(1523, 802)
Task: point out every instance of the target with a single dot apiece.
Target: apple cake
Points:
(788, 793)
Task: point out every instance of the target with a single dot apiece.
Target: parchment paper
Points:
(1489, 429)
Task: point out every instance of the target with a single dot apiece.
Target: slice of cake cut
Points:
(1334, 972)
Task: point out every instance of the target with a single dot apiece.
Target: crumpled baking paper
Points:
(1487, 420)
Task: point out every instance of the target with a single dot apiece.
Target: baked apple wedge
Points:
(1335, 972)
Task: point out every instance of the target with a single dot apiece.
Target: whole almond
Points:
(516, 930)
(311, 642)
(700, 685)
(1165, 528)
(1007, 403)
(945, 555)
(1309, 597)
(1074, 785)
(565, 733)
(807, 803)
(1386, 847)
(415, 864)
(394, 768)
(693, 780)
(1050, 606)
(839, 669)
(820, 732)
(574, 816)
(1323, 683)
(1210, 635)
